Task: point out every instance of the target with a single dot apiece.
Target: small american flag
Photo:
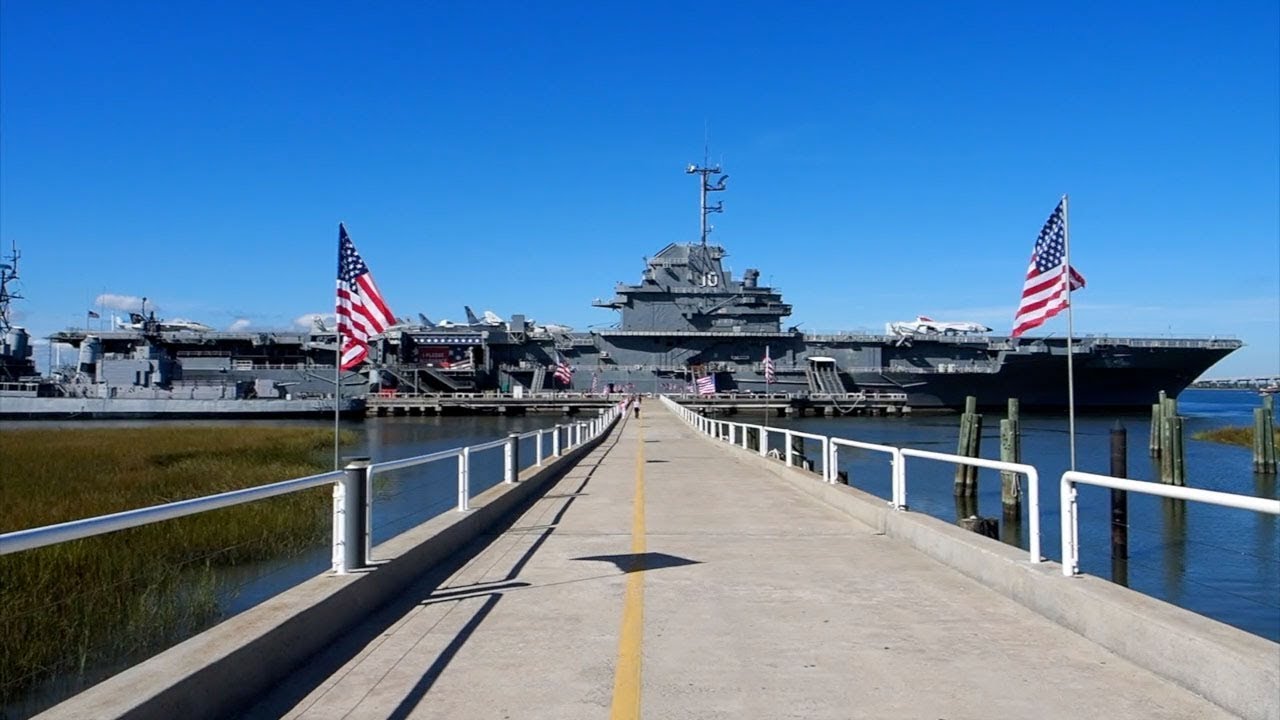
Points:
(362, 313)
(563, 373)
(769, 375)
(459, 359)
(707, 385)
(1043, 292)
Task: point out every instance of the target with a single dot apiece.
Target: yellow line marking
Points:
(626, 678)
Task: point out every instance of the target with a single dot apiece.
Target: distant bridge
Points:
(1238, 382)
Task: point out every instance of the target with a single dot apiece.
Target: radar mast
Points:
(8, 273)
(706, 171)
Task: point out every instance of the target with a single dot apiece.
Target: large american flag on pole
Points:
(1044, 293)
(362, 313)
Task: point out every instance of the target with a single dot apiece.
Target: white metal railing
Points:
(352, 505)
(723, 429)
(1033, 487)
(1070, 511)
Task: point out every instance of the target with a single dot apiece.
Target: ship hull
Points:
(65, 408)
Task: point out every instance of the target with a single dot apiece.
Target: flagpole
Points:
(766, 387)
(1066, 279)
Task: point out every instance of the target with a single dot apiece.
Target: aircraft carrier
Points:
(688, 318)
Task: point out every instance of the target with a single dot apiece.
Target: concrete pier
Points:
(669, 576)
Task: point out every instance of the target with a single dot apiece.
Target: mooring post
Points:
(1010, 490)
(351, 505)
(1179, 451)
(1153, 445)
(966, 482)
(1264, 437)
(1119, 498)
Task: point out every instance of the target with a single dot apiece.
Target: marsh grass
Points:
(110, 600)
(1233, 435)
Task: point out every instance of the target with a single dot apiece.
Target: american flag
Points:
(459, 359)
(563, 372)
(769, 375)
(362, 313)
(1043, 294)
(707, 385)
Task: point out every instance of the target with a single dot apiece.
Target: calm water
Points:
(1219, 562)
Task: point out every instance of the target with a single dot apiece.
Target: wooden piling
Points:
(1153, 446)
(1011, 451)
(969, 445)
(1264, 439)
(1119, 498)
(1010, 489)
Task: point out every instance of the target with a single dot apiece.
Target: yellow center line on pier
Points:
(626, 678)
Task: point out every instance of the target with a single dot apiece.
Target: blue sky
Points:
(887, 160)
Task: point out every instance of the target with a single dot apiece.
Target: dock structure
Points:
(569, 403)
(666, 574)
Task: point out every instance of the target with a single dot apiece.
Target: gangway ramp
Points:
(669, 576)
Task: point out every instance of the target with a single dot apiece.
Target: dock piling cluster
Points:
(1166, 440)
(1264, 436)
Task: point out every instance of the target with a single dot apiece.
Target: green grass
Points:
(1236, 435)
(115, 598)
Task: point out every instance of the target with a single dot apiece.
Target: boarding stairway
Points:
(824, 380)
(539, 379)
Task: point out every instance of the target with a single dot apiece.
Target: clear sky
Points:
(887, 159)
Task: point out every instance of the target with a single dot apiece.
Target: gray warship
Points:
(688, 318)
(150, 368)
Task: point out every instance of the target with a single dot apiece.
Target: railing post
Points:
(764, 441)
(827, 453)
(537, 444)
(511, 458)
(899, 480)
(351, 517)
(1070, 543)
(555, 442)
(464, 480)
(786, 436)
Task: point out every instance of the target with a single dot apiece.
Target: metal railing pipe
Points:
(1070, 510)
(1033, 487)
(464, 480)
(511, 459)
(351, 519)
(77, 529)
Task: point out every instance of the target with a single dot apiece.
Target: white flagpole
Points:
(1071, 384)
(766, 386)
(337, 389)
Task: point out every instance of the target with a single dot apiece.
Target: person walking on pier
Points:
(635, 406)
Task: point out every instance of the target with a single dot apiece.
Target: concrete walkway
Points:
(723, 593)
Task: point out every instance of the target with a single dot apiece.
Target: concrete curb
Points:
(226, 668)
(1231, 668)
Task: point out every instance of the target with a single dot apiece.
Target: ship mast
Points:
(8, 273)
(706, 186)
